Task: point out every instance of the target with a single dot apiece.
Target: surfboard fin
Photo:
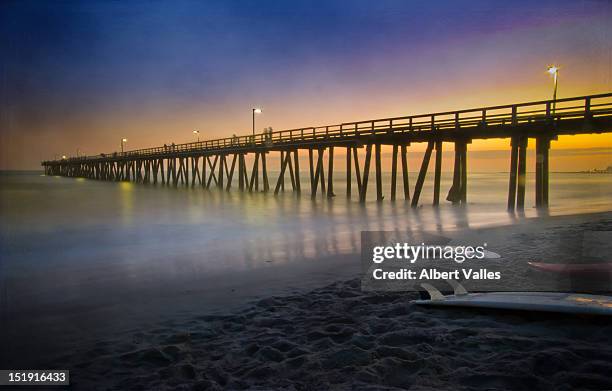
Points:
(434, 293)
(459, 290)
(491, 255)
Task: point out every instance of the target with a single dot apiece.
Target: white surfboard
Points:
(572, 303)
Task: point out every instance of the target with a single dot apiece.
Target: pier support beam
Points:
(406, 182)
(437, 174)
(168, 173)
(289, 159)
(281, 176)
(264, 172)
(394, 171)
(378, 157)
(296, 163)
(348, 172)
(222, 170)
(183, 172)
(463, 173)
(357, 171)
(330, 173)
(422, 173)
(366, 173)
(241, 172)
(311, 165)
(541, 193)
(514, 144)
(458, 191)
(195, 170)
(212, 166)
(319, 175)
(522, 174)
(291, 173)
(282, 179)
(254, 184)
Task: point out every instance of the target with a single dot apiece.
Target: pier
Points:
(215, 163)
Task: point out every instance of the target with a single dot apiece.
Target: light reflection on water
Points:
(105, 235)
(66, 218)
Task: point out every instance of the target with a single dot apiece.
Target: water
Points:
(81, 254)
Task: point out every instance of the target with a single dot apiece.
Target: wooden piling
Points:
(454, 194)
(378, 157)
(514, 144)
(241, 171)
(174, 173)
(322, 171)
(169, 173)
(222, 167)
(437, 173)
(193, 171)
(366, 174)
(357, 170)
(464, 173)
(283, 161)
(212, 167)
(312, 174)
(542, 155)
(406, 181)
(330, 173)
(538, 174)
(281, 176)
(545, 172)
(422, 173)
(348, 172)
(230, 175)
(317, 173)
(296, 163)
(394, 171)
(291, 173)
(254, 184)
(264, 169)
(522, 174)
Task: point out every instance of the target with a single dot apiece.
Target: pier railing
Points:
(547, 111)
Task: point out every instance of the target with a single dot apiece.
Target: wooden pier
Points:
(215, 163)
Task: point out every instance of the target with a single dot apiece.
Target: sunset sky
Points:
(82, 75)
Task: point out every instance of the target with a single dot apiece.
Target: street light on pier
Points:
(554, 72)
(64, 157)
(256, 110)
(197, 133)
(123, 141)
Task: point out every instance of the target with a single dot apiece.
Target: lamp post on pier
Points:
(255, 111)
(123, 141)
(554, 71)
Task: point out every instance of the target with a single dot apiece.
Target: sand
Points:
(341, 338)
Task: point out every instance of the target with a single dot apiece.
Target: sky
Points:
(82, 75)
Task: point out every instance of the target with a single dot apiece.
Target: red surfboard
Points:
(572, 267)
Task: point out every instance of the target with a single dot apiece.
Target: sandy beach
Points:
(339, 337)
